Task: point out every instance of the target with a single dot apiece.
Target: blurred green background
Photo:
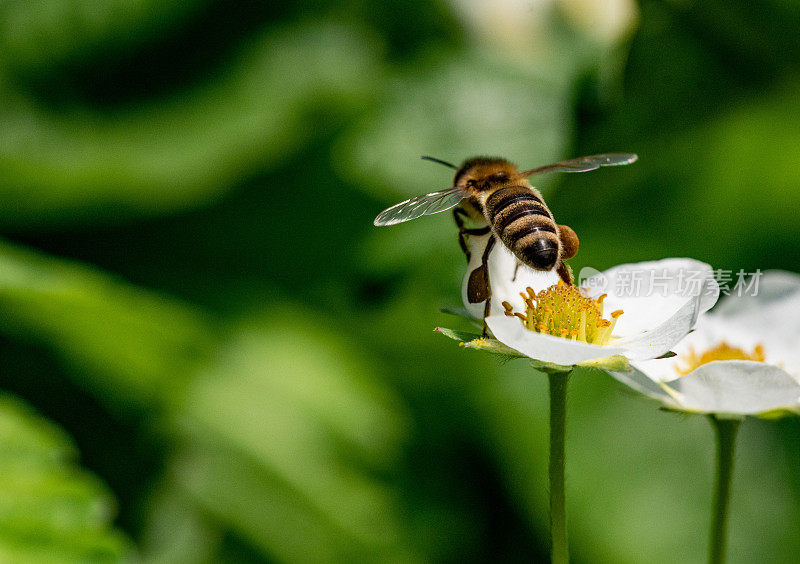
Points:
(209, 354)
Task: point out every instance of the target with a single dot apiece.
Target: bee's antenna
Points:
(440, 161)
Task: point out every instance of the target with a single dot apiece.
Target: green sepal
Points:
(477, 342)
(488, 344)
(772, 414)
(728, 416)
(776, 413)
(616, 363)
(687, 412)
(551, 367)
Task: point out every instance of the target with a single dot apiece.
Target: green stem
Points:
(726, 439)
(558, 423)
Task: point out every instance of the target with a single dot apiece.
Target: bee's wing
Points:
(584, 164)
(426, 204)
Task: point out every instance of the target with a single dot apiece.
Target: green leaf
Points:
(462, 92)
(78, 166)
(478, 342)
(39, 34)
(131, 347)
(177, 530)
(50, 511)
(280, 440)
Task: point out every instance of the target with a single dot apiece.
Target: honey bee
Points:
(494, 194)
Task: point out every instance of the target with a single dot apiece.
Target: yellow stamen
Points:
(548, 314)
(603, 331)
(562, 310)
(582, 328)
(722, 351)
(599, 301)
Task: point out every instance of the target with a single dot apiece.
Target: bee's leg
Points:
(565, 272)
(487, 309)
(569, 248)
(459, 214)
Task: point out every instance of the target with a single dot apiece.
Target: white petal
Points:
(659, 369)
(781, 353)
(780, 345)
(651, 292)
(547, 348)
(705, 336)
(741, 332)
(661, 338)
(642, 382)
(770, 317)
(776, 289)
(737, 387)
(508, 288)
(507, 277)
(661, 301)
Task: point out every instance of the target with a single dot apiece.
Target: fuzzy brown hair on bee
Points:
(497, 198)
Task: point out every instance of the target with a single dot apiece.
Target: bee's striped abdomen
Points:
(525, 225)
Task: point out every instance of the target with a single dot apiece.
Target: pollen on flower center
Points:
(563, 311)
(722, 351)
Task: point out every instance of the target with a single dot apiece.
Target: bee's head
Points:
(484, 172)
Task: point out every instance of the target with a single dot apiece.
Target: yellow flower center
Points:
(722, 351)
(563, 311)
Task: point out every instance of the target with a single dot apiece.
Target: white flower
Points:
(525, 28)
(508, 277)
(742, 359)
(653, 306)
